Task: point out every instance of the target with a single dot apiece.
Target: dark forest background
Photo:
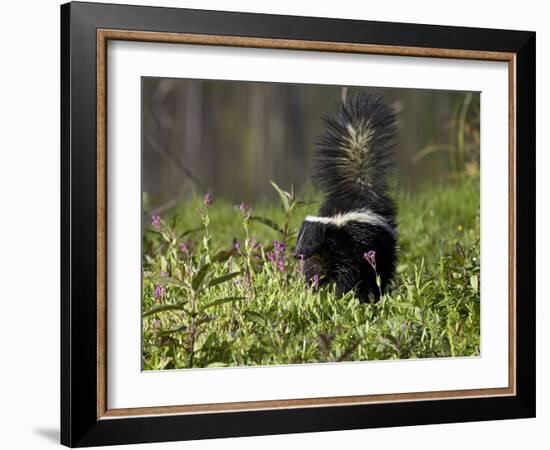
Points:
(231, 138)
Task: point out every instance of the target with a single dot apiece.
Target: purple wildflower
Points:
(163, 274)
(272, 257)
(156, 323)
(236, 245)
(315, 281)
(277, 256)
(184, 248)
(370, 257)
(208, 199)
(155, 221)
(160, 291)
(302, 263)
(279, 246)
(244, 208)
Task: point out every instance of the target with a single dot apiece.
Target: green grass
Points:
(216, 307)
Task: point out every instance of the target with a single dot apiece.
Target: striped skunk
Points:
(352, 165)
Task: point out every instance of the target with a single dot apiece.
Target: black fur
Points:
(352, 166)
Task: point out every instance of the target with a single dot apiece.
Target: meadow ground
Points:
(218, 292)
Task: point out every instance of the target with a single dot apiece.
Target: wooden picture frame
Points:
(86, 418)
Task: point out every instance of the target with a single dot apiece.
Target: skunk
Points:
(352, 241)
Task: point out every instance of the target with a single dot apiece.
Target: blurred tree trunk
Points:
(192, 128)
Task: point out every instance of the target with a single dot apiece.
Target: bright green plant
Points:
(238, 298)
(289, 205)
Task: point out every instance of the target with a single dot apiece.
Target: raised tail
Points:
(354, 157)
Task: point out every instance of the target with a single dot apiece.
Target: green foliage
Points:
(228, 297)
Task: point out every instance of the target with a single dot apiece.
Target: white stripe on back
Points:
(361, 215)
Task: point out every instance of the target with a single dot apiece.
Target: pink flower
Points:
(279, 246)
(272, 257)
(159, 291)
(315, 281)
(370, 257)
(184, 248)
(302, 263)
(208, 199)
(155, 221)
(243, 207)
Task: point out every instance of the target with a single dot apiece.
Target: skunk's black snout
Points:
(298, 252)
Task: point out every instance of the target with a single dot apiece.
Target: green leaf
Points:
(162, 308)
(254, 316)
(301, 203)
(270, 223)
(474, 283)
(175, 220)
(221, 301)
(283, 195)
(167, 280)
(348, 352)
(223, 279)
(222, 256)
(385, 341)
(204, 319)
(173, 330)
(191, 230)
(216, 364)
(459, 251)
(428, 150)
(200, 275)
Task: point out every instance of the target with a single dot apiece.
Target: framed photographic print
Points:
(276, 224)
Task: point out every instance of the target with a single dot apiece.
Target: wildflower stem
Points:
(378, 283)
(245, 210)
(206, 235)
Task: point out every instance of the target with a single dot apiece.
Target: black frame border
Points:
(79, 423)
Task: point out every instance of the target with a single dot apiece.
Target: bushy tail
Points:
(354, 156)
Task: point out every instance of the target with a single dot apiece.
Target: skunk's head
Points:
(311, 239)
